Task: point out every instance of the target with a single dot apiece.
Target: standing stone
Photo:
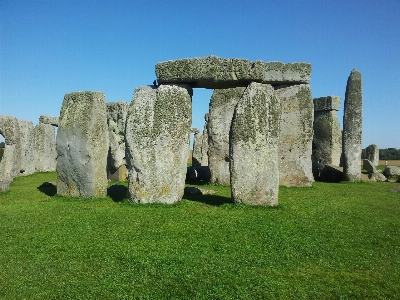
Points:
(204, 145)
(157, 143)
(222, 106)
(116, 119)
(197, 145)
(327, 140)
(45, 148)
(372, 154)
(11, 161)
(352, 128)
(254, 142)
(27, 139)
(82, 146)
(296, 135)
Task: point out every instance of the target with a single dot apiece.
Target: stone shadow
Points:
(205, 196)
(48, 188)
(117, 192)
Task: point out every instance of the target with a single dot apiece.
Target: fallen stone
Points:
(377, 177)
(254, 146)
(82, 146)
(220, 73)
(327, 103)
(197, 191)
(369, 166)
(27, 139)
(372, 154)
(45, 148)
(391, 171)
(49, 120)
(10, 164)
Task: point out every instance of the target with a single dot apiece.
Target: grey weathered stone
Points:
(157, 143)
(214, 72)
(27, 139)
(204, 144)
(377, 177)
(197, 145)
(372, 154)
(49, 120)
(45, 148)
(11, 161)
(254, 146)
(368, 165)
(116, 119)
(82, 146)
(352, 128)
(296, 135)
(391, 171)
(5, 181)
(327, 103)
(222, 106)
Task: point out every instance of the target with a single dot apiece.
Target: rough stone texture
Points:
(11, 161)
(27, 139)
(254, 146)
(377, 177)
(352, 128)
(116, 119)
(296, 135)
(222, 106)
(372, 154)
(220, 73)
(369, 166)
(5, 181)
(157, 143)
(45, 148)
(204, 144)
(49, 120)
(197, 145)
(391, 171)
(82, 146)
(327, 103)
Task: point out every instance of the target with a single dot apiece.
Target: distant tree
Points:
(389, 154)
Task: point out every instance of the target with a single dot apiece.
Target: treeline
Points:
(386, 154)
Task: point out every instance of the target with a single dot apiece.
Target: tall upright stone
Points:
(45, 148)
(11, 161)
(352, 128)
(327, 141)
(254, 143)
(27, 139)
(372, 154)
(197, 143)
(157, 143)
(296, 135)
(204, 144)
(222, 106)
(116, 119)
(82, 146)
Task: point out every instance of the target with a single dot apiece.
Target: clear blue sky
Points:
(49, 48)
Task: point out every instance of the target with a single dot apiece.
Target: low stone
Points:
(10, 164)
(391, 171)
(327, 103)
(197, 191)
(330, 173)
(369, 166)
(49, 120)
(45, 148)
(377, 177)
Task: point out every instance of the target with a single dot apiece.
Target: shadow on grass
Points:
(117, 192)
(209, 199)
(48, 188)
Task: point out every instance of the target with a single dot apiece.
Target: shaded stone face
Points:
(296, 135)
(222, 106)
(49, 120)
(45, 148)
(254, 142)
(157, 143)
(372, 154)
(82, 146)
(27, 147)
(352, 128)
(11, 161)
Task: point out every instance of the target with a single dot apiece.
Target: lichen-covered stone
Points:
(352, 128)
(222, 106)
(391, 171)
(27, 139)
(45, 148)
(379, 177)
(157, 143)
(254, 142)
(296, 135)
(219, 73)
(367, 164)
(196, 154)
(372, 154)
(49, 120)
(11, 161)
(82, 146)
(326, 103)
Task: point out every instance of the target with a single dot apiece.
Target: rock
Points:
(377, 177)
(5, 181)
(49, 120)
(352, 128)
(157, 143)
(204, 144)
(391, 171)
(254, 146)
(327, 139)
(45, 148)
(27, 139)
(10, 164)
(296, 135)
(82, 146)
(220, 73)
(330, 173)
(197, 144)
(222, 106)
(121, 174)
(372, 154)
(369, 166)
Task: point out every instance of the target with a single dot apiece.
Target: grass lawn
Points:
(330, 241)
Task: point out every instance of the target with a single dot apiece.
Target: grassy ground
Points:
(330, 241)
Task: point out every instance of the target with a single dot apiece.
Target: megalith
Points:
(82, 145)
(222, 106)
(372, 154)
(116, 119)
(204, 145)
(352, 128)
(49, 120)
(254, 143)
(157, 142)
(11, 161)
(27, 140)
(327, 141)
(45, 148)
(197, 144)
(296, 135)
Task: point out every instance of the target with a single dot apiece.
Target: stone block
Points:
(82, 146)
(45, 148)
(391, 171)
(326, 103)
(372, 154)
(11, 162)
(49, 120)
(368, 165)
(27, 139)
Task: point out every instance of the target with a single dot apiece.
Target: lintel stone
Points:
(326, 103)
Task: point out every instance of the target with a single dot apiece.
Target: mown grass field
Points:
(330, 241)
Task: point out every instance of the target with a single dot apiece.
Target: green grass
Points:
(330, 241)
